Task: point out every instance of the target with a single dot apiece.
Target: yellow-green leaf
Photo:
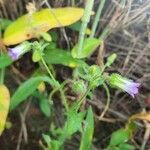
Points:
(30, 26)
(4, 106)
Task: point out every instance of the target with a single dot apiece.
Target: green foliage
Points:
(55, 55)
(120, 138)
(5, 61)
(43, 103)
(87, 132)
(26, 89)
(89, 46)
(73, 123)
(85, 79)
(45, 107)
(125, 146)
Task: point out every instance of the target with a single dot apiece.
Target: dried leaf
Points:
(141, 116)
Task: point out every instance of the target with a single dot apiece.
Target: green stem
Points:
(2, 75)
(49, 72)
(97, 18)
(104, 34)
(64, 100)
(80, 101)
(108, 102)
(85, 21)
(2, 72)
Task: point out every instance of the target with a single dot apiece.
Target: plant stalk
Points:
(85, 21)
(97, 18)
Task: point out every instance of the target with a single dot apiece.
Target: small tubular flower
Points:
(19, 50)
(124, 84)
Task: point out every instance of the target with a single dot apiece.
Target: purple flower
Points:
(19, 50)
(125, 84)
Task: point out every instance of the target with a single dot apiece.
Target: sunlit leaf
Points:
(30, 26)
(4, 106)
(89, 46)
(87, 131)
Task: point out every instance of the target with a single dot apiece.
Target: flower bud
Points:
(111, 59)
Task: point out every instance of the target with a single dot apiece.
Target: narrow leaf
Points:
(26, 89)
(88, 131)
(45, 107)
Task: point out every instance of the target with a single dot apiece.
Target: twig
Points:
(108, 102)
(23, 130)
(146, 135)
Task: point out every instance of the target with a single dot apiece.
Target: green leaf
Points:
(89, 46)
(88, 131)
(73, 123)
(5, 61)
(45, 107)
(59, 56)
(55, 145)
(47, 139)
(125, 146)
(119, 136)
(26, 89)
